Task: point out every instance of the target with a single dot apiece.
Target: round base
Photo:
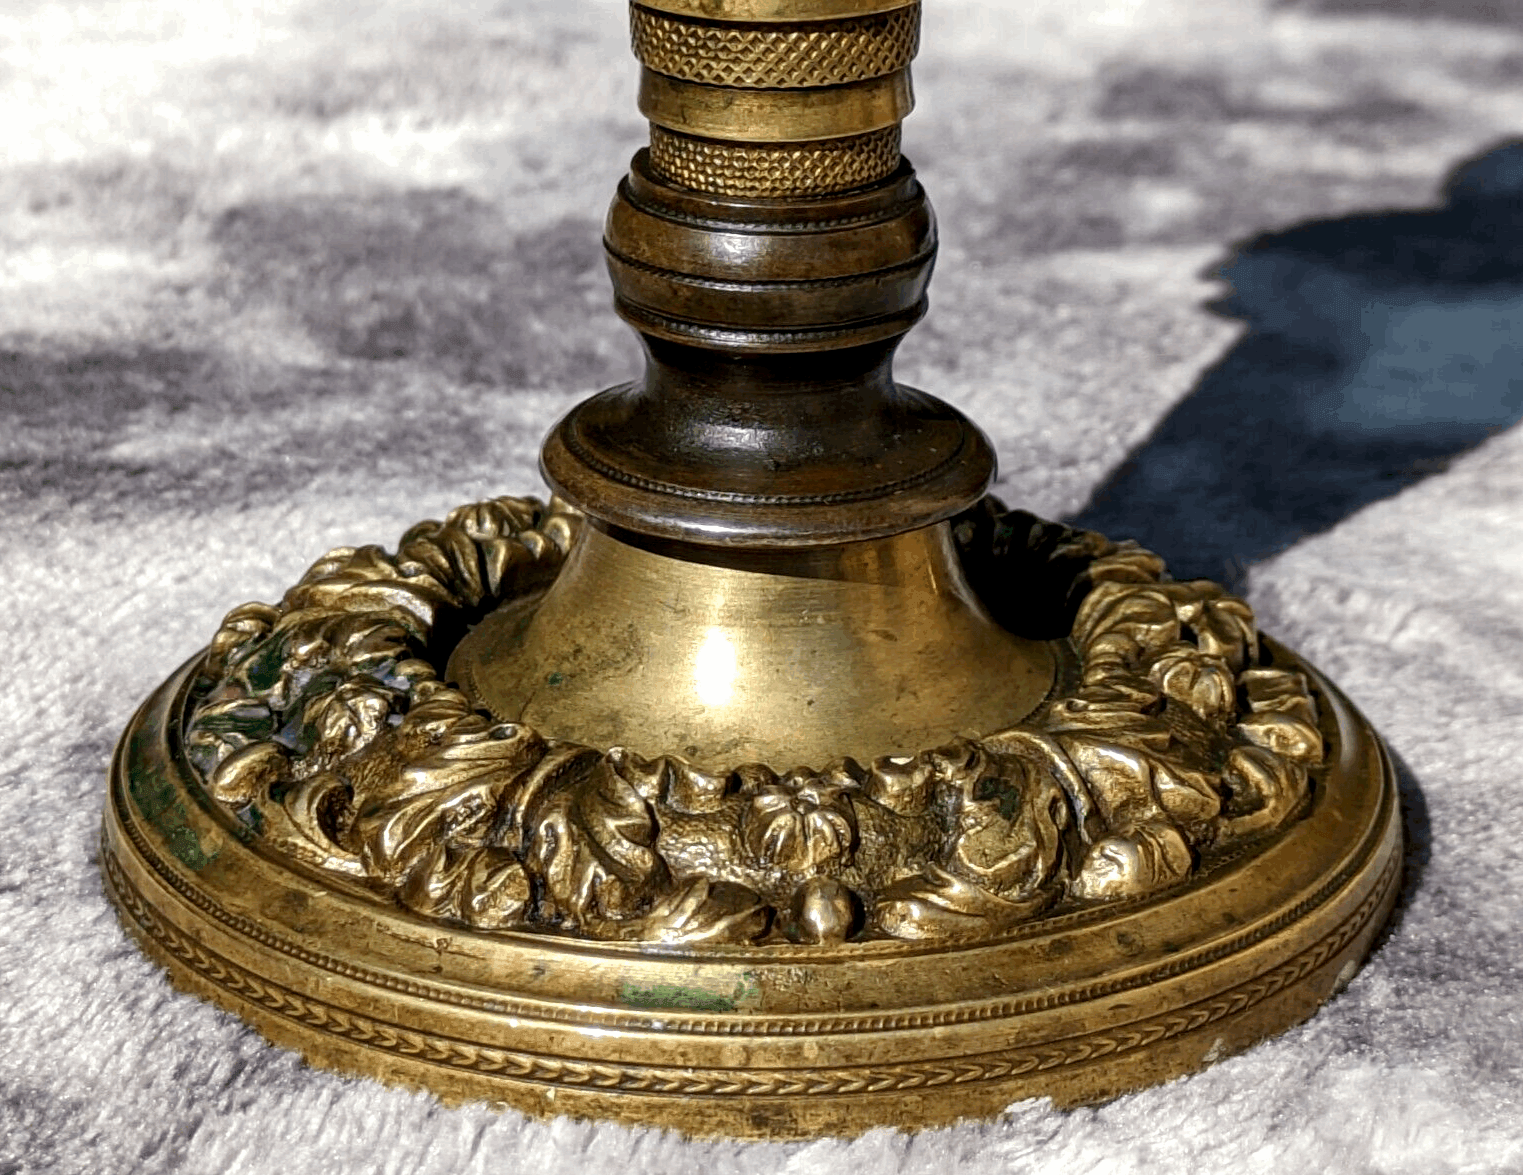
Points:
(772, 1041)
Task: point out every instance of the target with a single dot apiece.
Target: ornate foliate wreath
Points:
(323, 727)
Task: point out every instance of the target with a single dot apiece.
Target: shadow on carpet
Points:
(1380, 347)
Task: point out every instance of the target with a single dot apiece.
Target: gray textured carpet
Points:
(277, 277)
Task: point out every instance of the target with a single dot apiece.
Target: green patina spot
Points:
(161, 805)
(1009, 796)
(678, 997)
(556, 678)
(250, 826)
(263, 668)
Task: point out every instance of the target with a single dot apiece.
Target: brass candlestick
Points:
(771, 780)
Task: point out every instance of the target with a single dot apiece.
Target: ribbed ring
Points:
(775, 116)
(784, 56)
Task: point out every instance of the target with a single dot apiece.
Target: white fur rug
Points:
(279, 276)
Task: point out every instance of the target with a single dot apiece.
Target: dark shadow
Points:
(416, 314)
(65, 413)
(1416, 851)
(435, 277)
(1379, 347)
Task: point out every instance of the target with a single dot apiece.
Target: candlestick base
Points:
(1146, 836)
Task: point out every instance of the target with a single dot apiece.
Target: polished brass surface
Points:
(768, 417)
(771, 780)
(861, 651)
(715, 243)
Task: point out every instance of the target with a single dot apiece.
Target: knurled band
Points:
(763, 57)
(790, 169)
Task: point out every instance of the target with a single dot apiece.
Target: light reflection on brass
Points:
(865, 650)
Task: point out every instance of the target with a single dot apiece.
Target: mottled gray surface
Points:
(286, 276)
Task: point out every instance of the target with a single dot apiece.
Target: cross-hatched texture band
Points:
(775, 98)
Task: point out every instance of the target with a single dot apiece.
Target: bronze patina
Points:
(769, 779)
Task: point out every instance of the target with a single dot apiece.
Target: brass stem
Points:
(772, 242)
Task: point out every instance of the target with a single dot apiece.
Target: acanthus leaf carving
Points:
(485, 887)
(698, 910)
(591, 846)
(452, 792)
(936, 904)
(323, 726)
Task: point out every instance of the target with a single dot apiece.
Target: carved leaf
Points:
(485, 888)
(1120, 778)
(936, 904)
(1148, 857)
(368, 580)
(559, 765)
(485, 549)
(434, 711)
(1124, 622)
(1009, 818)
(698, 911)
(309, 653)
(307, 816)
(1045, 748)
(1206, 684)
(1126, 562)
(240, 628)
(219, 728)
(560, 522)
(1223, 624)
(346, 720)
(1189, 796)
(1266, 787)
(320, 723)
(248, 773)
(447, 555)
(1280, 691)
(1112, 716)
(454, 793)
(1284, 735)
(591, 846)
